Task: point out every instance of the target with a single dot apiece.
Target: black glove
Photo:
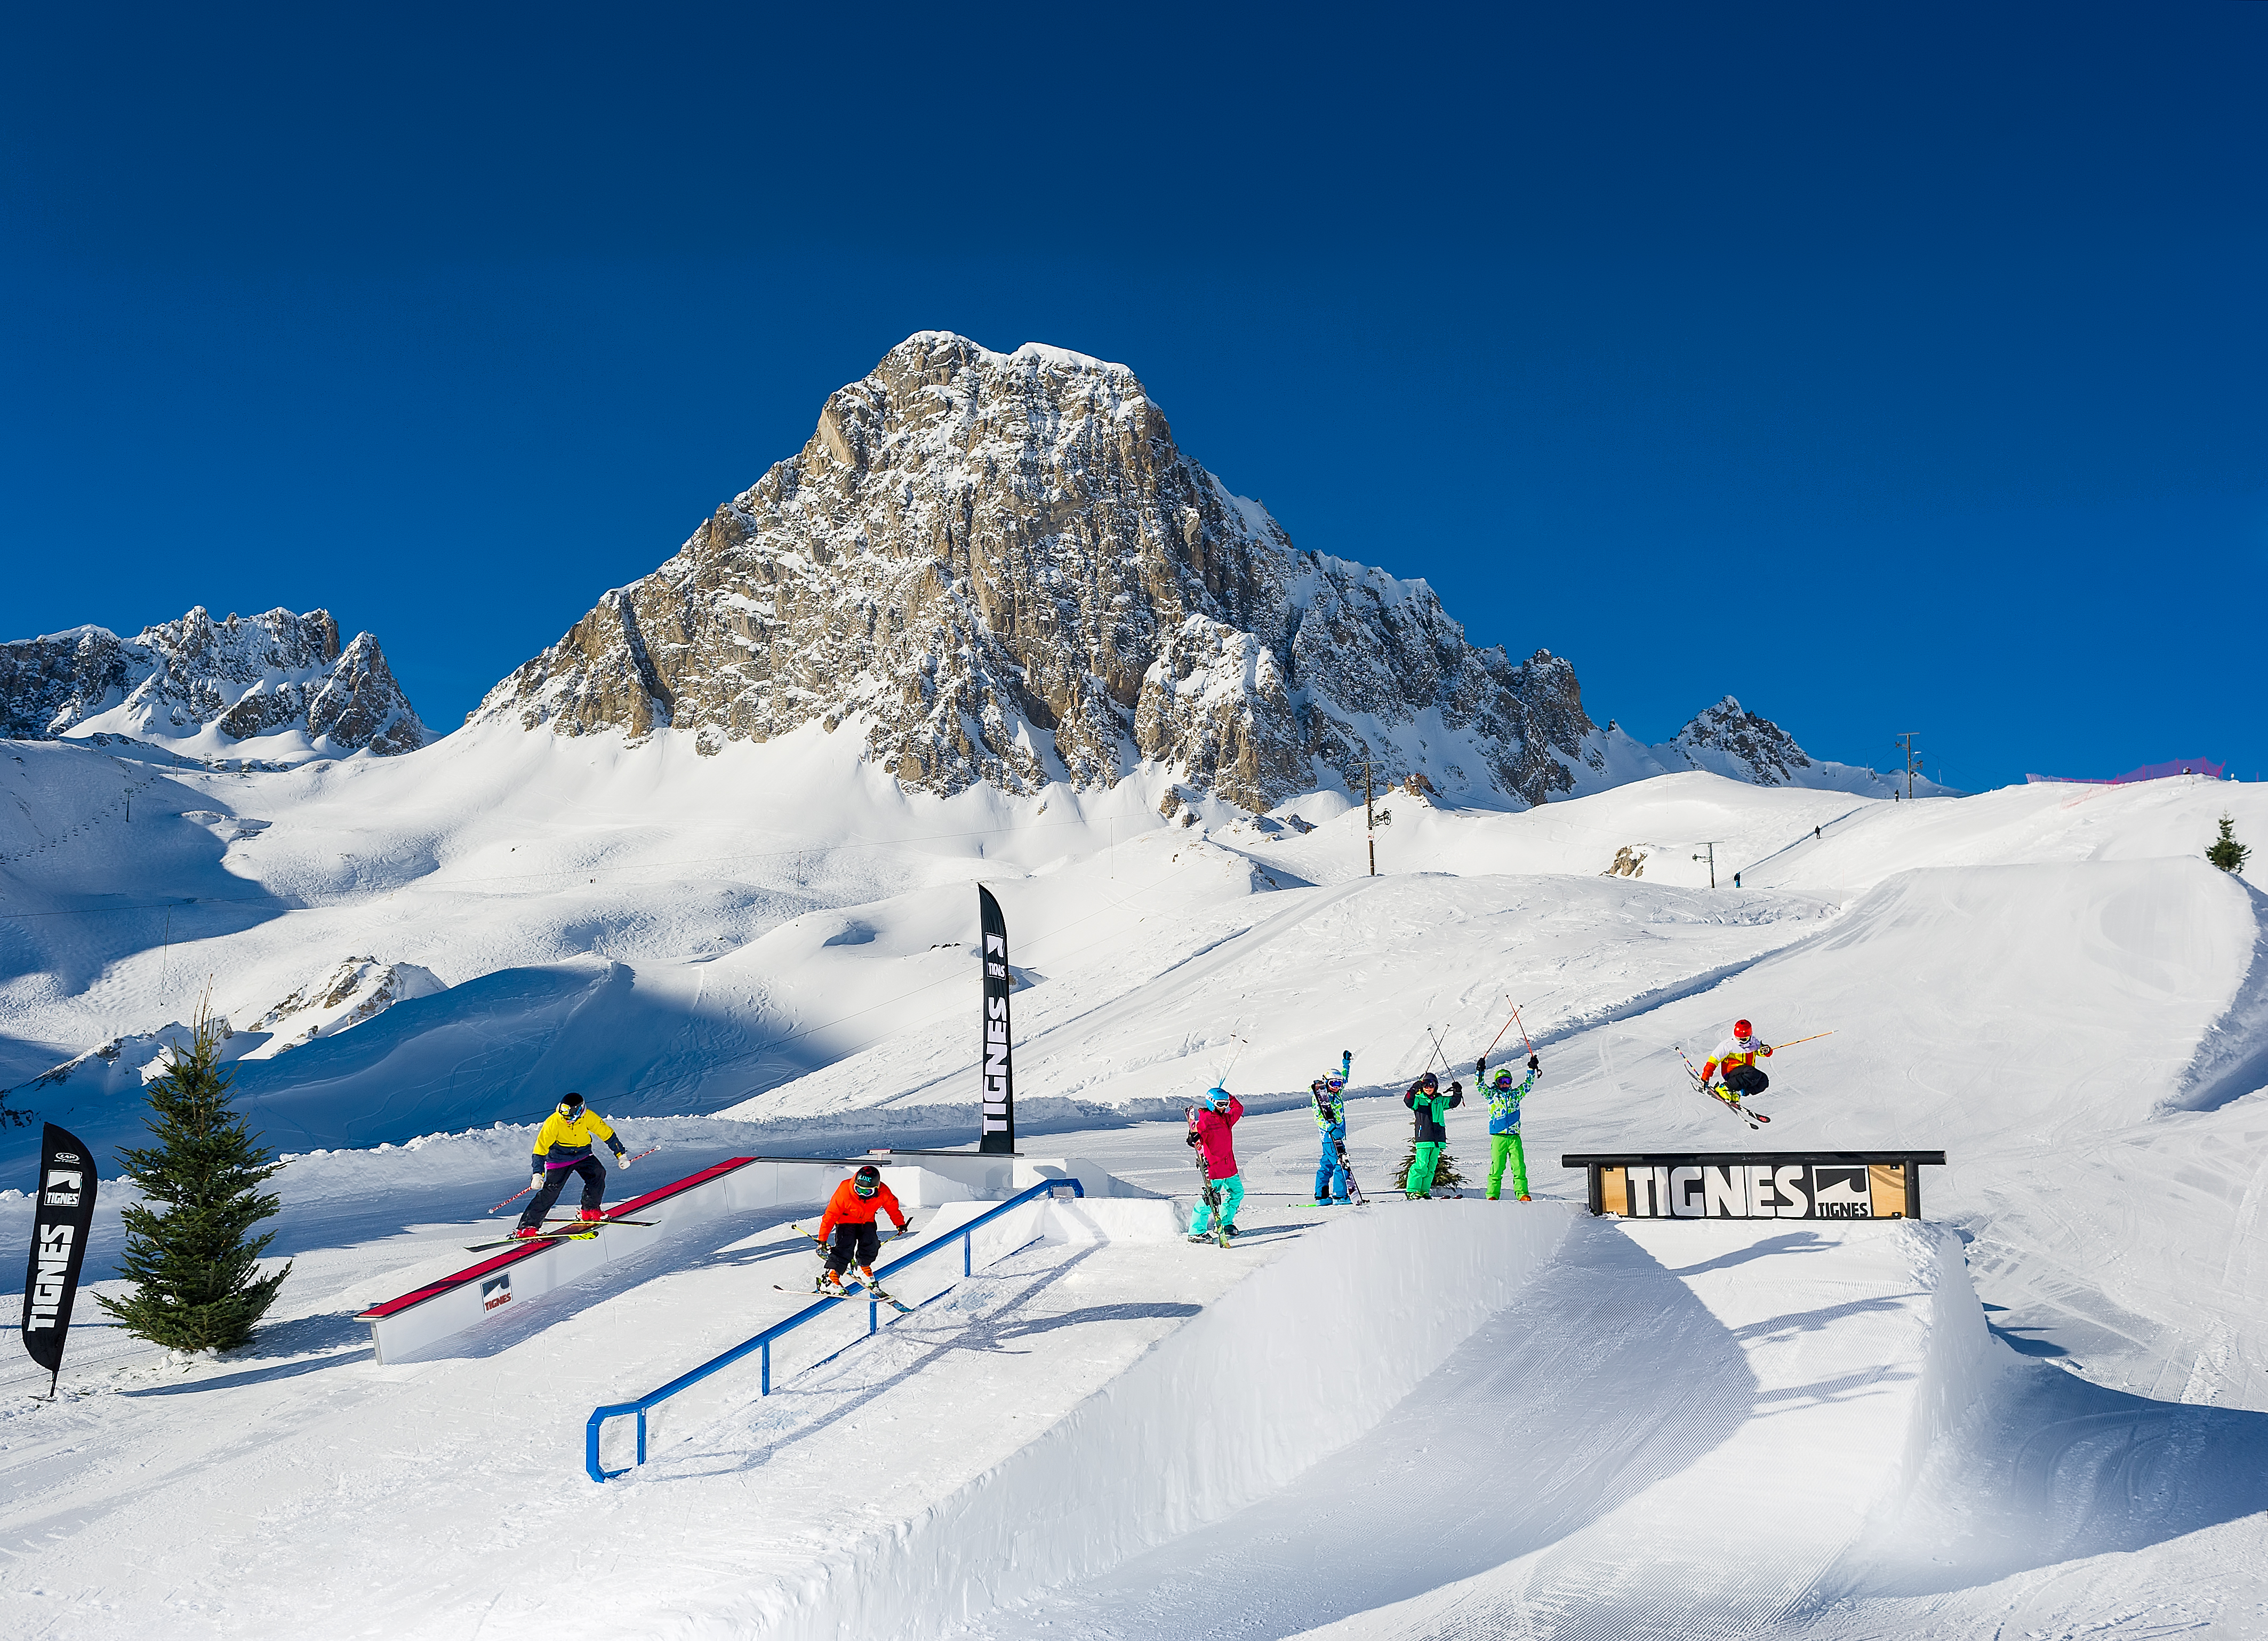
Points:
(1532, 1064)
(1457, 1088)
(1192, 1139)
(1480, 1066)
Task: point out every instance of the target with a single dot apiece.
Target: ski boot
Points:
(589, 1216)
(1524, 1196)
(828, 1284)
(527, 1234)
(1231, 1231)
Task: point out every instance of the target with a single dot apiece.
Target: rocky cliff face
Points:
(1729, 739)
(1000, 567)
(243, 677)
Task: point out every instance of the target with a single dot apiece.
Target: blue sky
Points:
(1892, 368)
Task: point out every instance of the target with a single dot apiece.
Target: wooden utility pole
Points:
(1369, 825)
(1906, 741)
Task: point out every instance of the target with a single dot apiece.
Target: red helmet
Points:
(1741, 1028)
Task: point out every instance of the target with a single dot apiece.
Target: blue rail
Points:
(762, 1342)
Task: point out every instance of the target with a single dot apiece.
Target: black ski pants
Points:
(1745, 1080)
(853, 1244)
(555, 1180)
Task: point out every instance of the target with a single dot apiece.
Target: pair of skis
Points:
(568, 1231)
(874, 1290)
(1731, 1102)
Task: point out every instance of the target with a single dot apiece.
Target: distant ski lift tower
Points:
(1711, 845)
(1369, 824)
(1906, 741)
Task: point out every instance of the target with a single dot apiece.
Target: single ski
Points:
(1347, 1168)
(573, 1229)
(874, 1289)
(545, 1238)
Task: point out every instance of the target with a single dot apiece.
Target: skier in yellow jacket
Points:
(564, 1147)
(1738, 1055)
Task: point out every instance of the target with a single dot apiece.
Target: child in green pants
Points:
(1504, 1098)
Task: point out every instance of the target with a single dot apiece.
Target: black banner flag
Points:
(63, 1212)
(998, 1132)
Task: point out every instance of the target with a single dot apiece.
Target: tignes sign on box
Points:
(1757, 1184)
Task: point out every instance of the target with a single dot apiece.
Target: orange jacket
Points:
(846, 1207)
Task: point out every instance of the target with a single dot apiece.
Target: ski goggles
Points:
(866, 1188)
(1335, 1085)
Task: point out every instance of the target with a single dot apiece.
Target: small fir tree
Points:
(1445, 1176)
(194, 1264)
(2227, 853)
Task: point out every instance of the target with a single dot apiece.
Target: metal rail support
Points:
(761, 1344)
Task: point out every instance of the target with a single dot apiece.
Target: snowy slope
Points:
(2047, 982)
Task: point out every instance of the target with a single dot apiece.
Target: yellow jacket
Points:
(562, 1144)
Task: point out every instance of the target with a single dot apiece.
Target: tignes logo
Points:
(1841, 1194)
(496, 1291)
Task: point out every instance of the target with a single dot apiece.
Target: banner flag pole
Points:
(997, 1131)
(63, 1214)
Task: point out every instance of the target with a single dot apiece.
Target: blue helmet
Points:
(1217, 1098)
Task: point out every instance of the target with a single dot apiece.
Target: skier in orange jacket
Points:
(847, 1230)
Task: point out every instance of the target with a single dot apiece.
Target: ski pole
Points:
(1234, 1055)
(1523, 1029)
(1814, 1037)
(1439, 1051)
(515, 1197)
(1507, 1026)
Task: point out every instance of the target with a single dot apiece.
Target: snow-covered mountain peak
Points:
(999, 568)
(280, 679)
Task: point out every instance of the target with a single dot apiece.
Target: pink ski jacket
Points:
(1213, 1138)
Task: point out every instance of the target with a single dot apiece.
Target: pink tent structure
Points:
(2147, 772)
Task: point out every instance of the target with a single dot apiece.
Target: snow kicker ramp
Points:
(1490, 1415)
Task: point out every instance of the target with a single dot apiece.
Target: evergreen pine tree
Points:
(194, 1263)
(2228, 853)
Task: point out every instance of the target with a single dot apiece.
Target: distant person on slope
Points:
(564, 1147)
(847, 1232)
(1328, 1096)
(1737, 1054)
(1208, 1130)
(1428, 1105)
(1504, 1098)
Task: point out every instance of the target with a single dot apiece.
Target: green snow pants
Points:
(1501, 1146)
(1422, 1167)
(1232, 1198)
